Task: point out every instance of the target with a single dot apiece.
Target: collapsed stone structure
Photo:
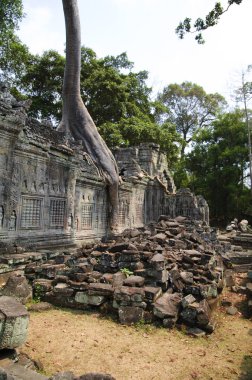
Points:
(51, 193)
(170, 271)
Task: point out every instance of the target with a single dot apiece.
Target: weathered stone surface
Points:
(85, 298)
(152, 293)
(134, 281)
(118, 279)
(126, 293)
(129, 315)
(196, 332)
(40, 307)
(63, 289)
(203, 314)
(249, 288)
(167, 306)
(169, 323)
(232, 310)
(229, 278)
(14, 320)
(101, 289)
(188, 300)
(95, 376)
(187, 277)
(3, 374)
(63, 376)
(18, 287)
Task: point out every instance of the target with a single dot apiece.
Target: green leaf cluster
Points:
(217, 166)
(189, 108)
(200, 24)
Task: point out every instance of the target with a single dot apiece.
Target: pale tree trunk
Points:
(76, 121)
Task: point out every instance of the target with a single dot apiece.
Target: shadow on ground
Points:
(246, 368)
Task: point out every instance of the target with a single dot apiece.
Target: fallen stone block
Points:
(187, 300)
(152, 293)
(196, 332)
(18, 287)
(249, 288)
(84, 298)
(137, 281)
(95, 376)
(118, 279)
(63, 289)
(203, 314)
(167, 306)
(232, 310)
(127, 293)
(100, 289)
(14, 320)
(129, 314)
(169, 323)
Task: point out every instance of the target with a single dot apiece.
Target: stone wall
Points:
(51, 192)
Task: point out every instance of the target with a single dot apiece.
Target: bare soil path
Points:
(82, 342)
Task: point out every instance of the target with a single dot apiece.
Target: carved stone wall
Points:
(51, 193)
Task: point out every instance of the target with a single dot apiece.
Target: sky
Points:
(145, 29)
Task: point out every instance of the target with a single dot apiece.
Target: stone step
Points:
(240, 258)
(19, 372)
(244, 240)
(243, 268)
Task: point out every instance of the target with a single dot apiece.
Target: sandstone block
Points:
(83, 297)
(152, 293)
(134, 281)
(129, 315)
(14, 320)
(167, 306)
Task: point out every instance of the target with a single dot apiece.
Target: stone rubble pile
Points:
(249, 291)
(170, 271)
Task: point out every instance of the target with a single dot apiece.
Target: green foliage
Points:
(189, 107)
(200, 24)
(12, 52)
(117, 98)
(37, 293)
(126, 271)
(11, 12)
(217, 166)
(135, 130)
(42, 83)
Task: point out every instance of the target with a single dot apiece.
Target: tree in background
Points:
(218, 164)
(42, 83)
(118, 98)
(243, 95)
(13, 54)
(189, 107)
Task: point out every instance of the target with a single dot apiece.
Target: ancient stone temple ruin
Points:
(51, 192)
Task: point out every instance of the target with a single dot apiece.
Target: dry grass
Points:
(81, 342)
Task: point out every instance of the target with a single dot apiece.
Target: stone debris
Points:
(87, 376)
(18, 287)
(167, 272)
(232, 310)
(14, 320)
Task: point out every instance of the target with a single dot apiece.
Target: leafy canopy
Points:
(189, 107)
(200, 24)
(217, 166)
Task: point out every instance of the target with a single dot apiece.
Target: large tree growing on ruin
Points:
(76, 122)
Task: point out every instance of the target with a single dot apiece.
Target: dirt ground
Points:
(82, 342)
